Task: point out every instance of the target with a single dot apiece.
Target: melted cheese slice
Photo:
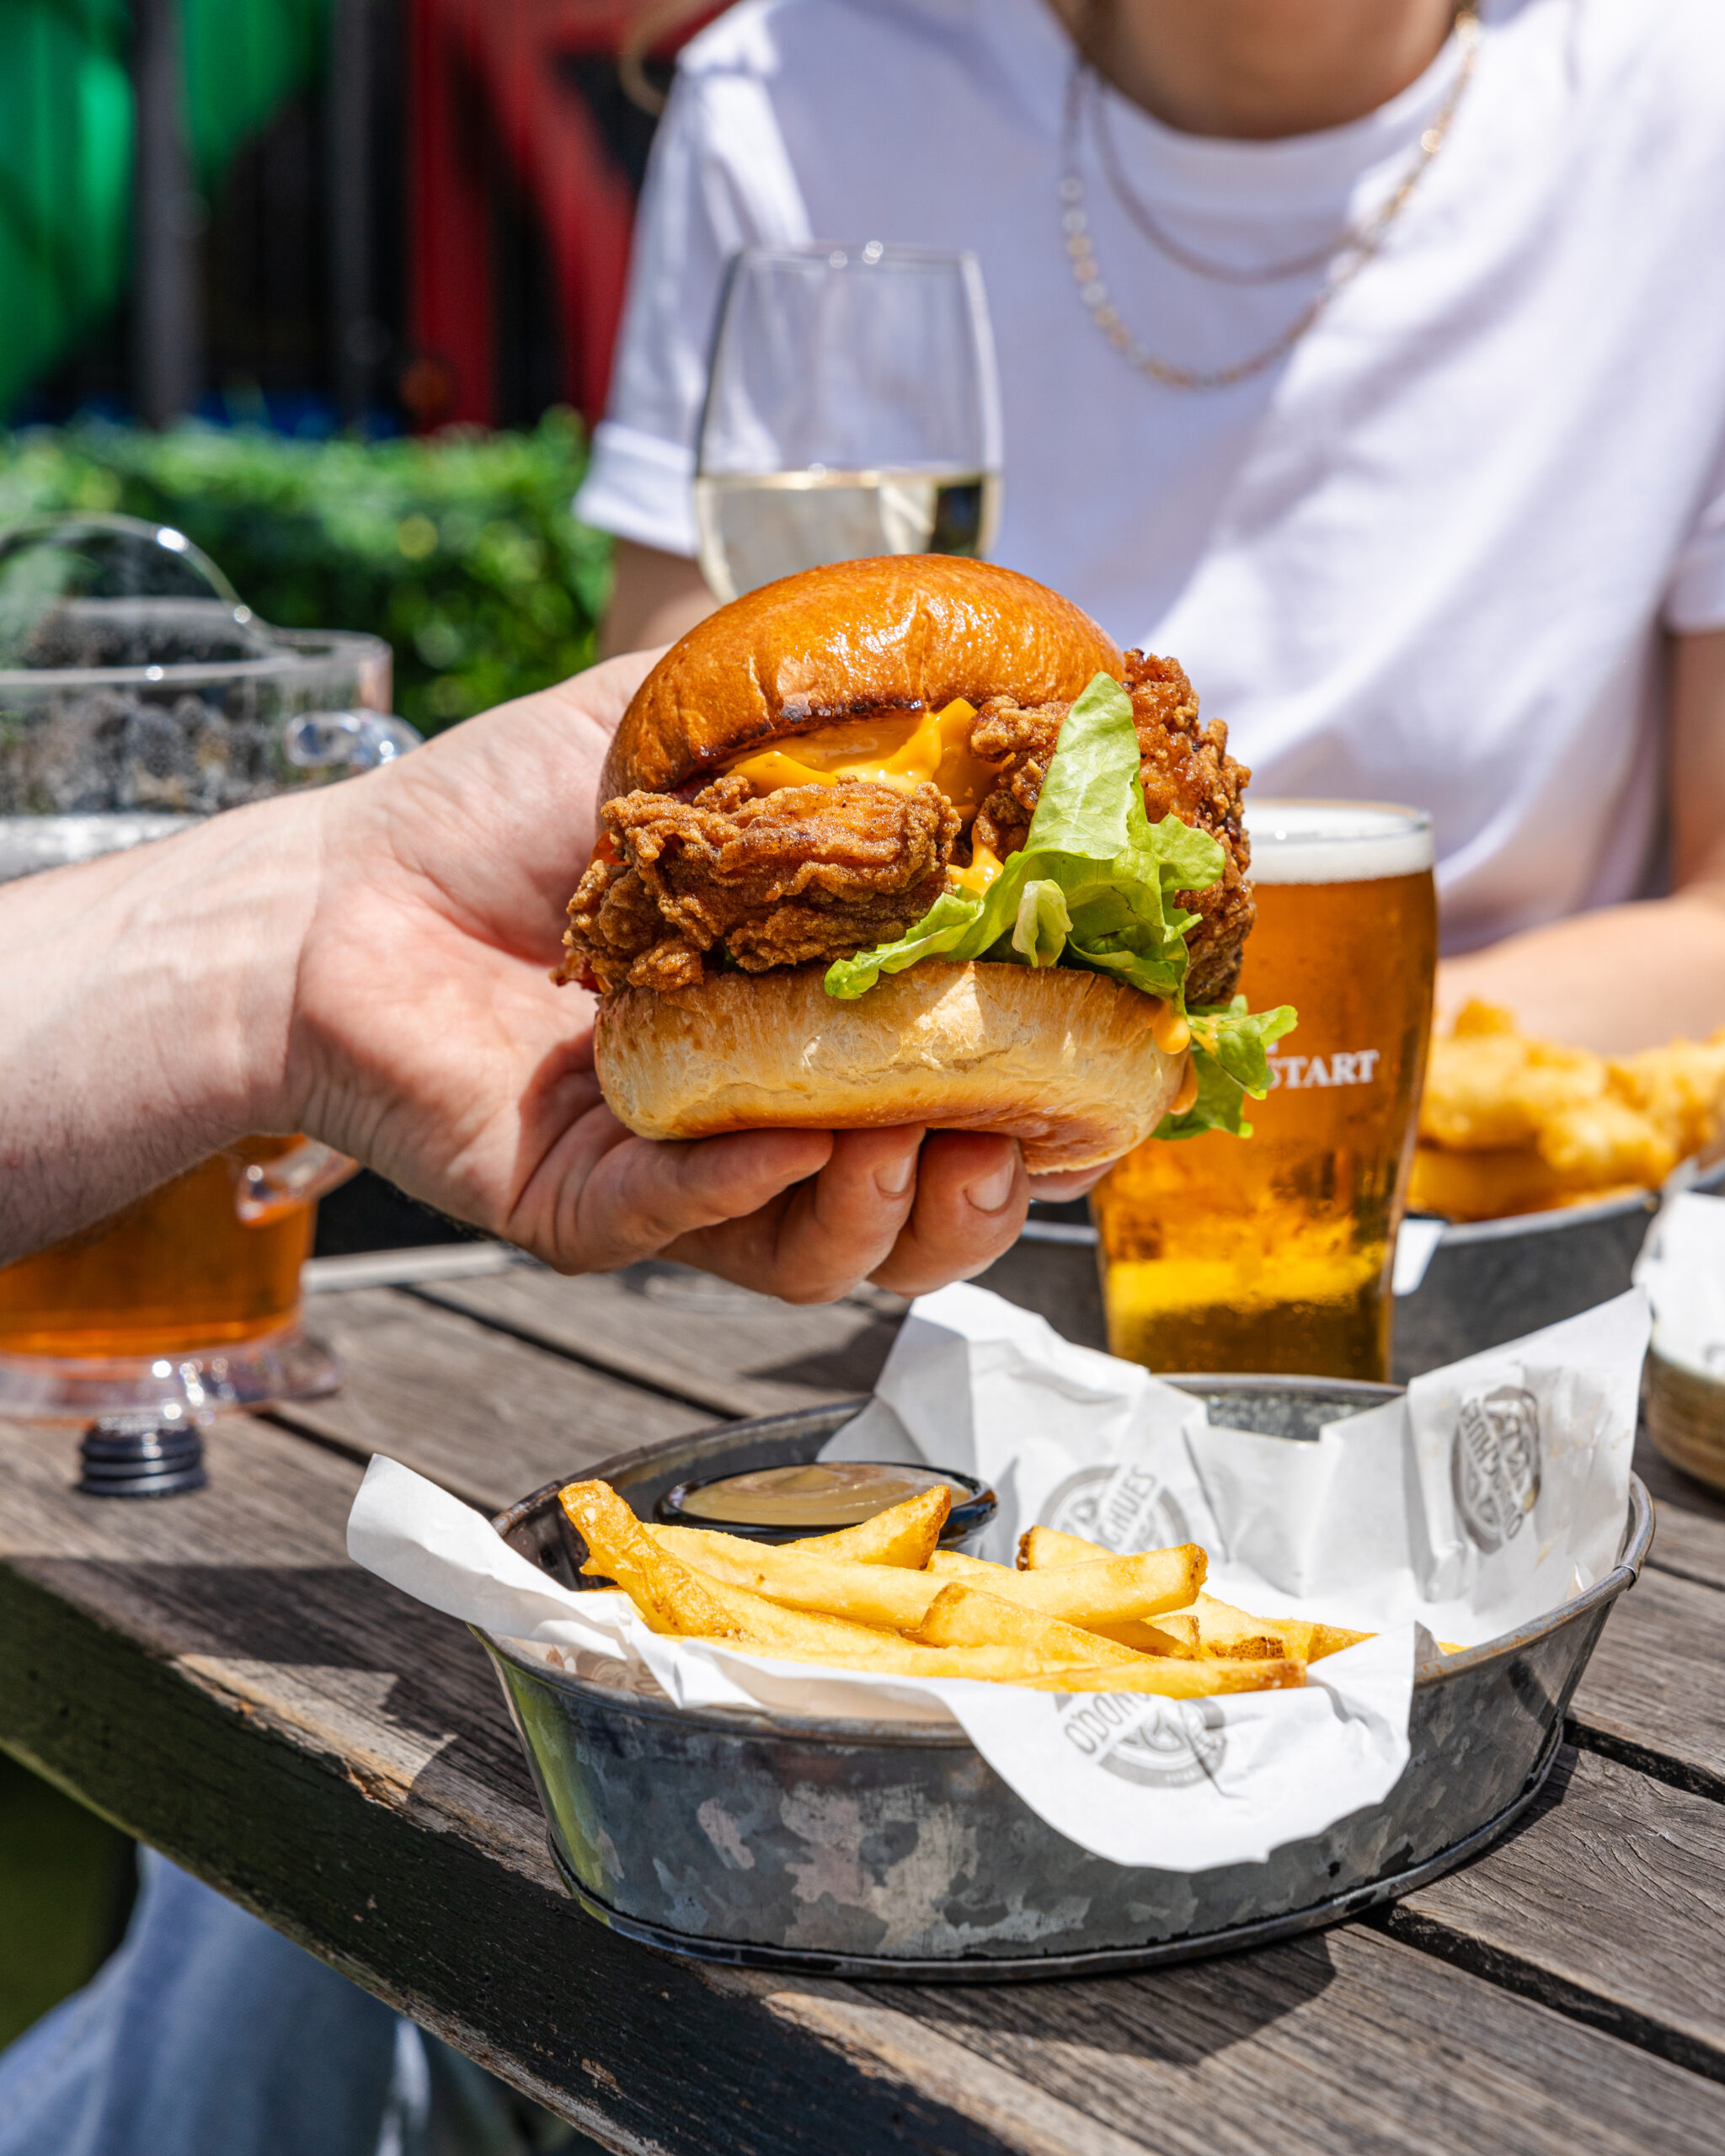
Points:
(905, 753)
(983, 868)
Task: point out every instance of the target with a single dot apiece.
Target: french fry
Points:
(670, 1598)
(797, 1575)
(1331, 1639)
(961, 1616)
(1181, 1634)
(1216, 1631)
(1111, 1590)
(1079, 1625)
(1002, 1663)
(1045, 1549)
(677, 1600)
(1103, 1591)
(904, 1536)
(1173, 1679)
(1161, 1635)
(959, 1565)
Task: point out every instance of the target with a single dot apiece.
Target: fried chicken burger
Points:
(910, 841)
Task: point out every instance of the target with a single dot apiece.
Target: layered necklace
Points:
(1346, 254)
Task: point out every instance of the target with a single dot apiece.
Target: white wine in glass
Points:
(756, 528)
(852, 409)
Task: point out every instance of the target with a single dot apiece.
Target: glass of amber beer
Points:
(137, 694)
(189, 1297)
(1274, 1252)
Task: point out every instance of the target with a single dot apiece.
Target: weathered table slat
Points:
(1608, 1900)
(1690, 1535)
(215, 1675)
(475, 1410)
(1340, 2041)
(1654, 1692)
(719, 1346)
(261, 1704)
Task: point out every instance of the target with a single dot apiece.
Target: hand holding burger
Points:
(367, 962)
(909, 840)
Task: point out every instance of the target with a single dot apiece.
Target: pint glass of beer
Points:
(191, 1295)
(138, 695)
(1272, 1253)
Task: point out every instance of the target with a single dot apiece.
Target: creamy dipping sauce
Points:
(821, 1493)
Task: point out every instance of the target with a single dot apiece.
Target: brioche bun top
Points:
(900, 633)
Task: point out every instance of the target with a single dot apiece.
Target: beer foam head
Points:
(1335, 841)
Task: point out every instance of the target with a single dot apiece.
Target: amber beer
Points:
(178, 1270)
(1274, 1252)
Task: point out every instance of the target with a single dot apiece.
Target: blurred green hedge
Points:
(459, 548)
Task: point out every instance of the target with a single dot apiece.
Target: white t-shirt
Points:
(1426, 559)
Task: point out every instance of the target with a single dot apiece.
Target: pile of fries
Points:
(885, 1598)
(1510, 1124)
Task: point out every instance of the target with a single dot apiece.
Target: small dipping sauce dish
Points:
(788, 1504)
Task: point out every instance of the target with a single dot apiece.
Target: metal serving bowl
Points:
(868, 1848)
(1490, 1281)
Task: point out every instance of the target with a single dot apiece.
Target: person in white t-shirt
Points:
(1451, 531)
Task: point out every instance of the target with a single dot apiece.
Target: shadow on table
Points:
(371, 1655)
(1179, 2017)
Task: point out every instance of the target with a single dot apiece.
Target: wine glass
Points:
(852, 408)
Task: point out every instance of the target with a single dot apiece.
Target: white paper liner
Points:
(1493, 1493)
(1682, 1267)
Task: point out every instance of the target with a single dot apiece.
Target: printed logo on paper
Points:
(1157, 1743)
(1136, 1513)
(1494, 1465)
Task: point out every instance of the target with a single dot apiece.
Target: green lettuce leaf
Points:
(1228, 1045)
(1094, 886)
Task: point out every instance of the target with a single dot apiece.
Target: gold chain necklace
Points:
(1355, 246)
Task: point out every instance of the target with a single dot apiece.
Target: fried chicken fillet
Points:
(715, 876)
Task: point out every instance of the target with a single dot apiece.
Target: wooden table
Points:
(213, 1674)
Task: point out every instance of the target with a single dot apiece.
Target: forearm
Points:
(144, 1008)
(654, 598)
(1625, 977)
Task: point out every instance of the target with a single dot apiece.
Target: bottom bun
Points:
(1062, 1061)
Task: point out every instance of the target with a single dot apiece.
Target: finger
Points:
(619, 1198)
(1061, 1188)
(971, 1195)
(823, 1238)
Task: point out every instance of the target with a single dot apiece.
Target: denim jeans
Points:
(207, 2033)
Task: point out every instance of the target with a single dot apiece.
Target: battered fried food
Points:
(810, 872)
(1488, 1087)
(911, 841)
(1510, 1125)
(1186, 772)
(819, 873)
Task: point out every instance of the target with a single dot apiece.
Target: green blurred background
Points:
(458, 547)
